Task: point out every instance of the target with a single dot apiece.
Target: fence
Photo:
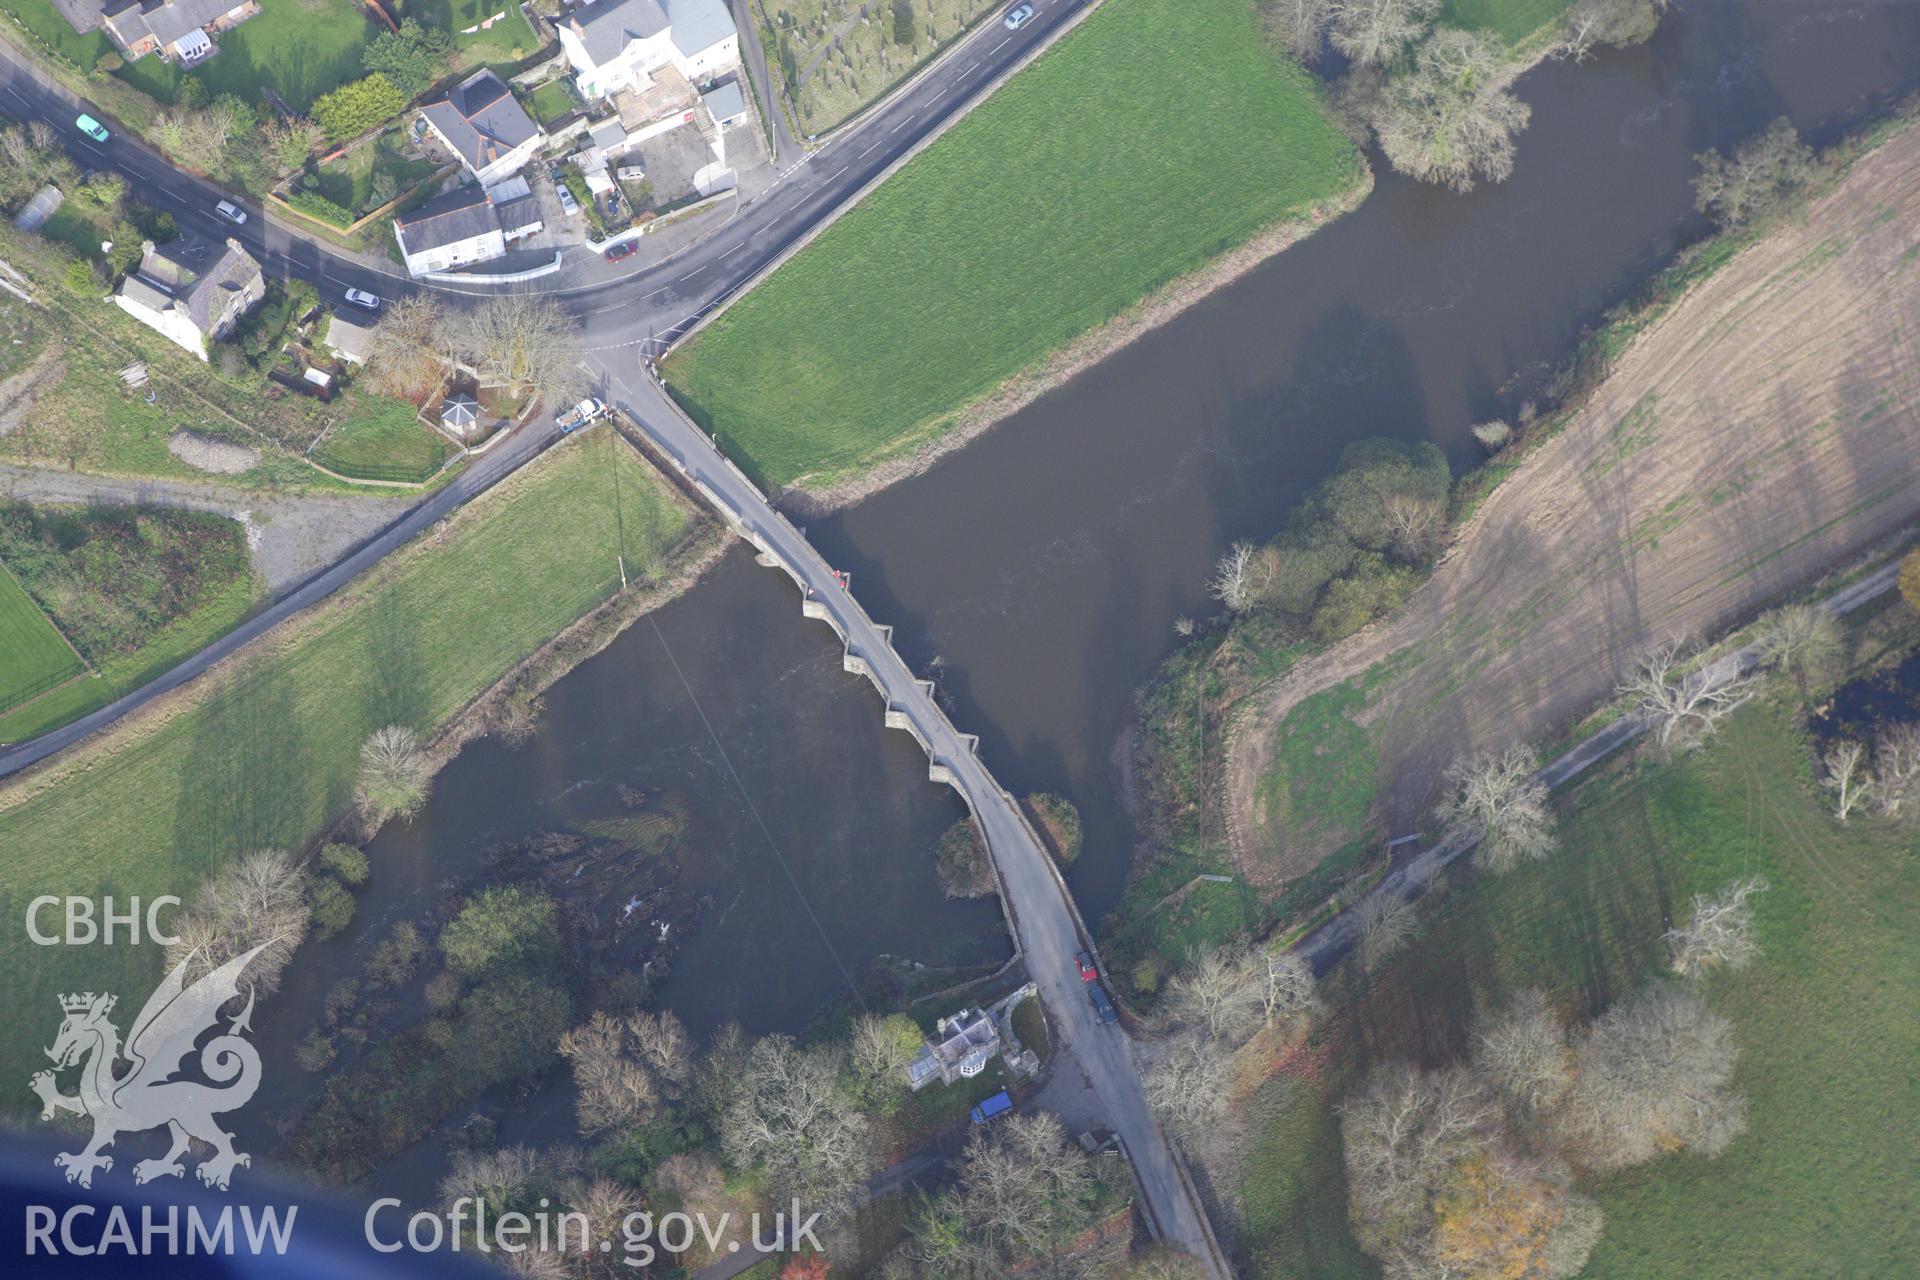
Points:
(44, 685)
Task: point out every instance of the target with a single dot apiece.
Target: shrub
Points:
(346, 862)
(394, 960)
(316, 205)
(332, 906)
(499, 931)
(315, 1052)
(961, 862)
(353, 109)
(1059, 820)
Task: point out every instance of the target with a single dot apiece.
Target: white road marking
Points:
(737, 248)
(870, 146)
(903, 124)
(836, 173)
(997, 48)
(691, 274)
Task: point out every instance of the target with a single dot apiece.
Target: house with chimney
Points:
(179, 31)
(468, 225)
(619, 45)
(193, 291)
(481, 122)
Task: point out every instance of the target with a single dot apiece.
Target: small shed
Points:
(39, 209)
(726, 104)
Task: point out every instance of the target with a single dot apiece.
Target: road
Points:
(1045, 924)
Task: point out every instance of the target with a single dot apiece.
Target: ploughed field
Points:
(1758, 432)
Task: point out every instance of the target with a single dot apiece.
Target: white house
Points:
(480, 122)
(618, 44)
(466, 225)
(960, 1049)
(192, 291)
(179, 31)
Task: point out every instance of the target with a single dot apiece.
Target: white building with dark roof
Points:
(616, 45)
(481, 122)
(467, 225)
(959, 1049)
(192, 291)
(178, 30)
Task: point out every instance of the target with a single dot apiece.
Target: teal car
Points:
(91, 127)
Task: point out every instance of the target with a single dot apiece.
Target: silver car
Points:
(1018, 15)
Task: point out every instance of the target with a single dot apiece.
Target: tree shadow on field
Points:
(398, 690)
(244, 786)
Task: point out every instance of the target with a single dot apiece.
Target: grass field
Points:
(1822, 1183)
(507, 40)
(37, 657)
(382, 440)
(1513, 20)
(1071, 193)
(265, 751)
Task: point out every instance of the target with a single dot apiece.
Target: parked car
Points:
(1103, 1003)
(568, 205)
(998, 1104)
(91, 127)
(1089, 971)
(1018, 15)
(361, 298)
(622, 251)
(231, 212)
(579, 415)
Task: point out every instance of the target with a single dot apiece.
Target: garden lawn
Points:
(1822, 1182)
(506, 41)
(1512, 20)
(37, 658)
(382, 439)
(348, 181)
(549, 102)
(1101, 172)
(264, 752)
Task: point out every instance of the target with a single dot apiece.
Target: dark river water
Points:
(1046, 563)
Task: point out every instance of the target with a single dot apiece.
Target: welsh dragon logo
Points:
(147, 1095)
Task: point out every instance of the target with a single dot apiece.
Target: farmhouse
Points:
(480, 122)
(960, 1049)
(617, 45)
(466, 225)
(178, 30)
(192, 291)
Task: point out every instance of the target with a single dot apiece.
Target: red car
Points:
(1089, 972)
(622, 251)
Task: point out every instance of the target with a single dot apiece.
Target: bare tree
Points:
(1414, 523)
(1684, 706)
(1450, 119)
(1493, 436)
(525, 342)
(1896, 767)
(1502, 798)
(1384, 922)
(607, 1206)
(1220, 992)
(614, 1089)
(258, 898)
(1232, 581)
(412, 348)
(1288, 991)
(1799, 639)
(197, 138)
(1719, 933)
(1375, 32)
(661, 1042)
(1186, 1084)
(1024, 1193)
(1847, 776)
(790, 1121)
(289, 141)
(1299, 25)
(1651, 1076)
(1591, 23)
(880, 1050)
(1766, 176)
(1523, 1055)
(394, 774)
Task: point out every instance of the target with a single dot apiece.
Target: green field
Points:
(37, 657)
(1514, 20)
(382, 440)
(1822, 1183)
(266, 751)
(1121, 160)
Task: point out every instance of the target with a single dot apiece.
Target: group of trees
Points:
(1469, 1170)
(1765, 177)
(1220, 1000)
(1353, 550)
(522, 342)
(1882, 776)
(411, 58)
(1437, 97)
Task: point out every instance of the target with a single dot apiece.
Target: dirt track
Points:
(1764, 428)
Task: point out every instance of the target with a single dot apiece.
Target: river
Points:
(1045, 564)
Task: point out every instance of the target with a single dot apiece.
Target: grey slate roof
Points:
(349, 337)
(167, 20)
(203, 278)
(609, 26)
(481, 119)
(460, 214)
(698, 24)
(725, 101)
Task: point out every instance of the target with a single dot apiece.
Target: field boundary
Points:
(47, 684)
